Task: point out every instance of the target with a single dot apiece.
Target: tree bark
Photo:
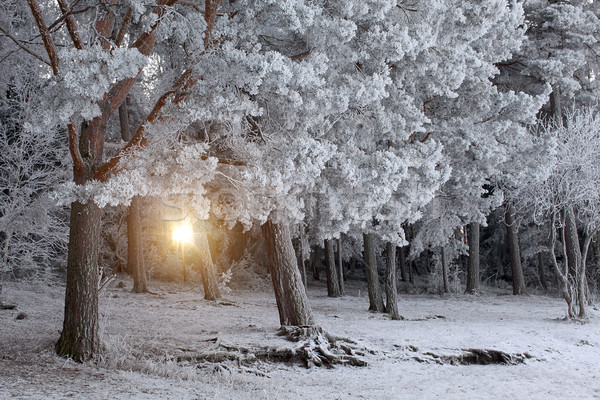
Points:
(207, 268)
(340, 266)
(473, 260)
(292, 302)
(375, 296)
(333, 284)
(79, 339)
(391, 290)
(513, 249)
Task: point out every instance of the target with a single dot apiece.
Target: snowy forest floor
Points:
(153, 341)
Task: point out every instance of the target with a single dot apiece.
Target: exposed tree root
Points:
(470, 357)
(313, 348)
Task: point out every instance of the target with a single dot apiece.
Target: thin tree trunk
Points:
(375, 296)
(207, 268)
(473, 260)
(391, 290)
(290, 294)
(333, 285)
(513, 249)
(445, 270)
(340, 266)
(79, 339)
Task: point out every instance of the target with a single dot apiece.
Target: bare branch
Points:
(22, 46)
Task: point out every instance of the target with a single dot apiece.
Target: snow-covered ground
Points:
(145, 334)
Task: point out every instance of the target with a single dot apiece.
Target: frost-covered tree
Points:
(33, 229)
(480, 124)
(568, 195)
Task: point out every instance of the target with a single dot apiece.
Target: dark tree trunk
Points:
(290, 294)
(403, 272)
(333, 284)
(473, 260)
(445, 270)
(375, 296)
(391, 290)
(513, 249)
(79, 339)
(207, 268)
(340, 266)
(315, 263)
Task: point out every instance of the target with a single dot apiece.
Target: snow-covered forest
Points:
(338, 199)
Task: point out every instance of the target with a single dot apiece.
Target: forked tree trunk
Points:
(391, 290)
(79, 339)
(207, 268)
(444, 270)
(375, 296)
(473, 260)
(333, 284)
(340, 266)
(513, 249)
(135, 248)
(292, 302)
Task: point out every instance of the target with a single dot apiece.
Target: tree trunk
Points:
(315, 263)
(135, 249)
(513, 249)
(575, 259)
(375, 296)
(207, 268)
(445, 271)
(403, 272)
(391, 290)
(340, 266)
(473, 260)
(79, 339)
(333, 284)
(299, 249)
(541, 272)
(290, 294)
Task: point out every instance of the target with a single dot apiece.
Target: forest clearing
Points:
(145, 334)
